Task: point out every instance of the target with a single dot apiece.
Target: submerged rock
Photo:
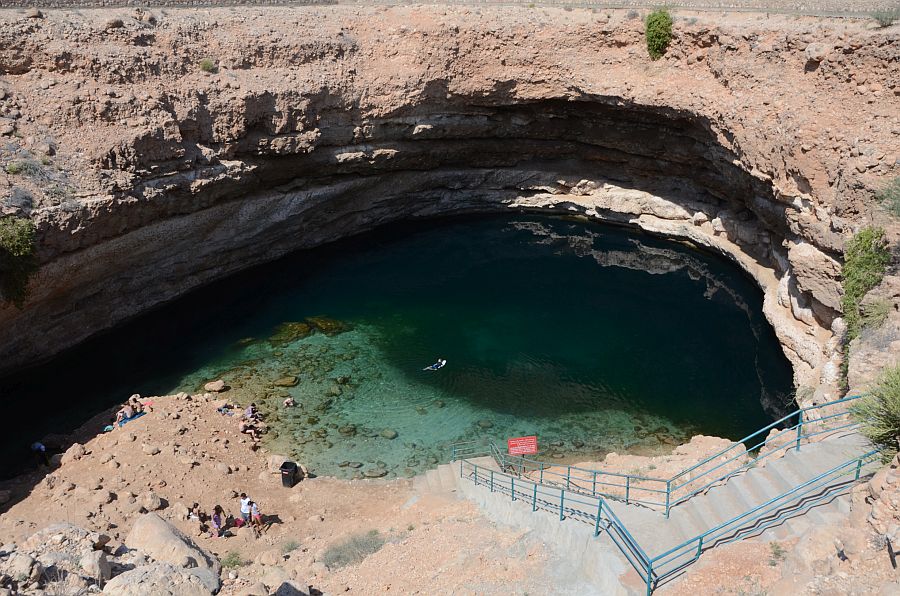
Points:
(389, 433)
(215, 386)
(290, 332)
(289, 381)
(328, 326)
(376, 473)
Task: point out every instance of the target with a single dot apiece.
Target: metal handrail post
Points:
(492, 481)
(597, 521)
(858, 467)
(568, 477)
(799, 429)
(627, 488)
(534, 499)
(594, 483)
(699, 547)
(512, 487)
(668, 493)
(542, 473)
(562, 497)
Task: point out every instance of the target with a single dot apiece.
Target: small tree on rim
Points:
(658, 31)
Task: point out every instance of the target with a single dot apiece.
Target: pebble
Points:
(389, 433)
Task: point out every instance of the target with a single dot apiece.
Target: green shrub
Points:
(658, 32)
(865, 259)
(889, 196)
(879, 412)
(207, 65)
(17, 258)
(777, 555)
(27, 167)
(233, 560)
(886, 18)
(875, 314)
(289, 546)
(353, 550)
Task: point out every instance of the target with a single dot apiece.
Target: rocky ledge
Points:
(169, 149)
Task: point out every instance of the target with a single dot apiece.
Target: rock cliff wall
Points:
(177, 148)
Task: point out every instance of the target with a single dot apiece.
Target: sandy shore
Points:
(184, 451)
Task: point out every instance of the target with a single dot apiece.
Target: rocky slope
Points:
(166, 150)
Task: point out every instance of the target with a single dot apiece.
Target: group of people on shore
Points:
(216, 525)
(132, 408)
(251, 423)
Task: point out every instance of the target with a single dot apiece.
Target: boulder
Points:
(816, 552)
(816, 273)
(270, 558)
(73, 453)
(155, 537)
(816, 52)
(96, 565)
(274, 463)
(150, 501)
(257, 589)
(159, 579)
(215, 386)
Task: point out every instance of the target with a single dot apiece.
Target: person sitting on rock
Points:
(124, 414)
(248, 429)
(135, 402)
(251, 413)
(217, 523)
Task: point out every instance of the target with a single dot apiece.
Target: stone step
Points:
(449, 476)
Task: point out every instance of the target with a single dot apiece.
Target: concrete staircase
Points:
(602, 564)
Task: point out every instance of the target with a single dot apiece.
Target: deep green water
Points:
(594, 338)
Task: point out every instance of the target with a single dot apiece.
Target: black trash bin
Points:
(288, 474)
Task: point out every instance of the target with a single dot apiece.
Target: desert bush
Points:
(875, 314)
(289, 546)
(26, 167)
(207, 65)
(232, 560)
(352, 550)
(17, 258)
(886, 18)
(658, 31)
(878, 412)
(865, 259)
(889, 196)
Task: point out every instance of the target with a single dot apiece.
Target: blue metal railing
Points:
(595, 510)
(664, 493)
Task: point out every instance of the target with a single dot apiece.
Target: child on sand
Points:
(217, 523)
(256, 518)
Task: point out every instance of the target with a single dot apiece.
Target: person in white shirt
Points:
(245, 508)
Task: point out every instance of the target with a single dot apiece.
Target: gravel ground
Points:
(816, 7)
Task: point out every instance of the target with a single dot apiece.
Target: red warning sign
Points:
(522, 445)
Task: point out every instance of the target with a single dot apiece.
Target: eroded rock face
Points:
(177, 176)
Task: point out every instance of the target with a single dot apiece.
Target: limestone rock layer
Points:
(177, 148)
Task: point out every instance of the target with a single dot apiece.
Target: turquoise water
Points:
(594, 338)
